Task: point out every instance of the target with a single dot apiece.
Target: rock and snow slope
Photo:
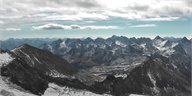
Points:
(55, 90)
(7, 88)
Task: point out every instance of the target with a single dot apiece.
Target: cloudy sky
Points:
(94, 18)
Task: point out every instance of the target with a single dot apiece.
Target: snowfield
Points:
(55, 90)
(9, 89)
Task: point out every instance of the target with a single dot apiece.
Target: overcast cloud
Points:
(94, 9)
(19, 15)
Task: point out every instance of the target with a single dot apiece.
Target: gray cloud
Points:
(87, 3)
(138, 7)
(52, 26)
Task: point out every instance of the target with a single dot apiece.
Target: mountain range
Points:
(118, 66)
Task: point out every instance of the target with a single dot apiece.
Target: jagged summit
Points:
(43, 60)
(114, 36)
(88, 38)
(57, 42)
(158, 38)
(184, 39)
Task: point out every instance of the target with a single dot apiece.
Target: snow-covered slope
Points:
(55, 90)
(7, 88)
(165, 47)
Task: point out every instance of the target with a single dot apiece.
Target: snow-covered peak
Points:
(159, 43)
(165, 47)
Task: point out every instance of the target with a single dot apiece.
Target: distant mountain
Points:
(13, 43)
(173, 39)
(90, 52)
(186, 44)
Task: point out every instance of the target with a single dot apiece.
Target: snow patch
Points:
(5, 58)
(136, 95)
(55, 74)
(174, 44)
(36, 59)
(174, 66)
(143, 45)
(63, 45)
(50, 48)
(120, 44)
(154, 82)
(121, 75)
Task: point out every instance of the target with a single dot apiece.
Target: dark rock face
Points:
(25, 76)
(43, 60)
